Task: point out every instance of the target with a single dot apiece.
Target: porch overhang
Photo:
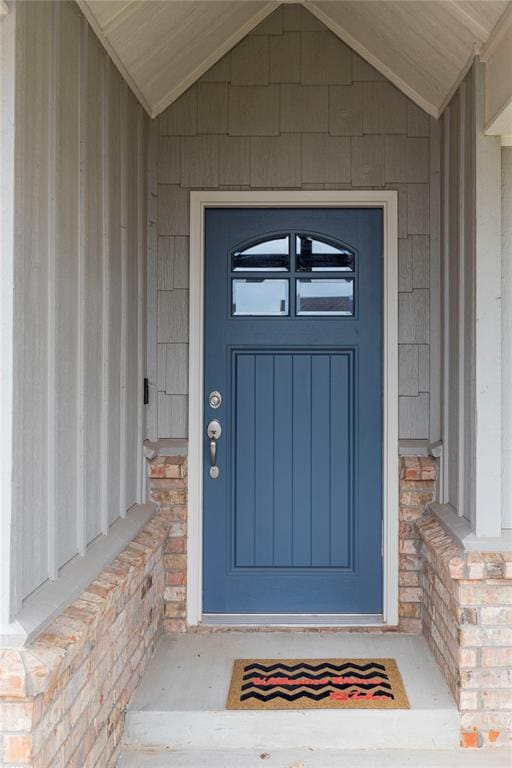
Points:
(425, 50)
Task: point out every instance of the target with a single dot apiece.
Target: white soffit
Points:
(424, 47)
(161, 47)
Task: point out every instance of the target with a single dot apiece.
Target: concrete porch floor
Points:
(325, 758)
(180, 701)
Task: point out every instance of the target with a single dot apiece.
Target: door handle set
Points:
(214, 431)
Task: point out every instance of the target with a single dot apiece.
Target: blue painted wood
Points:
(245, 445)
(321, 510)
(301, 488)
(264, 461)
(283, 460)
(293, 523)
(341, 458)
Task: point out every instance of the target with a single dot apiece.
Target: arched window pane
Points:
(315, 255)
(271, 255)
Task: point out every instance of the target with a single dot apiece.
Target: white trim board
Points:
(460, 529)
(7, 259)
(292, 620)
(199, 202)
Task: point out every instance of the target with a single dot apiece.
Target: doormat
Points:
(316, 684)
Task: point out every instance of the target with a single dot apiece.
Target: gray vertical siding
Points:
(80, 251)
(506, 213)
(293, 107)
(458, 191)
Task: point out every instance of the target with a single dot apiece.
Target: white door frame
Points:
(387, 200)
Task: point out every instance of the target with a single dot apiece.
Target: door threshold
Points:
(293, 620)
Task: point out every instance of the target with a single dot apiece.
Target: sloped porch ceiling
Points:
(162, 46)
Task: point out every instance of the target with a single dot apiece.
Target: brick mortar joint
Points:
(418, 468)
(167, 468)
(43, 660)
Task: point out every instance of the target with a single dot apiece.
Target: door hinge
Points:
(146, 391)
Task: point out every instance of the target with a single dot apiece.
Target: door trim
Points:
(388, 202)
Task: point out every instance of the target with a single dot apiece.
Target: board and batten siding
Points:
(506, 212)
(292, 107)
(79, 287)
(458, 269)
(471, 298)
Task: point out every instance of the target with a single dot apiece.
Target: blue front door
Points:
(293, 346)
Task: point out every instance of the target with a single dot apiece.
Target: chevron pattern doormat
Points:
(316, 684)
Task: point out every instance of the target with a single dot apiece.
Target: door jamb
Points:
(387, 200)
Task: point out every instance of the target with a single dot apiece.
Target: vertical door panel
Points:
(341, 458)
(283, 460)
(264, 461)
(301, 494)
(245, 455)
(293, 445)
(320, 460)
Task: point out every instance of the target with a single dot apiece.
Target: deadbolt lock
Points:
(214, 399)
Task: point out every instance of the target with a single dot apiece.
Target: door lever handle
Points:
(213, 452)
(214, 431)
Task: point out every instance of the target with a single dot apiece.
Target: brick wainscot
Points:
(168, 488)
(63, 696)
(467, 620)
(465, 610)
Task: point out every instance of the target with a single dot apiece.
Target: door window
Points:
(314, 255)
(256, 296)
(268, 255)
(260, 293)
(325, 297)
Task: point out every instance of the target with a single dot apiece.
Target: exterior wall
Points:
(7, 134)
(458, 292)
(472, 347)
(498, 63)
(464, 602)
(467, 620)
(506, 308)
(79, 288)
(63, 697)
(292, 107)
(168, 488)
(418, 478)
